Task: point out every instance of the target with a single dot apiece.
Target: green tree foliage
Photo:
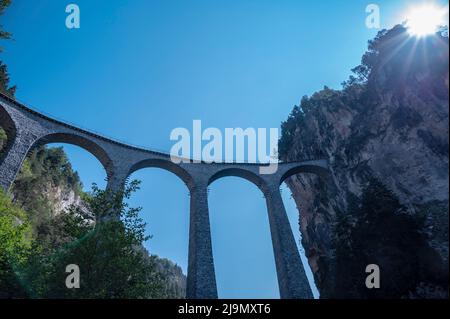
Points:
(391, 47)
(109, 253)
(15, 244)
(49, 166)
(3, 5)
(109, 256)
(377, 230)
(5, 87)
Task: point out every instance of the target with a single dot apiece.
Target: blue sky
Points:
(135, 70)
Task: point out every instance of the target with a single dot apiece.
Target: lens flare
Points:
(425, 20)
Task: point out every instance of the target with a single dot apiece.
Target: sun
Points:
(425, 20)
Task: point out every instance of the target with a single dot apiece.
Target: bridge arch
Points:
(233, 246)
(165, 165)
(302, 168)
(78, 140)
(239, 172)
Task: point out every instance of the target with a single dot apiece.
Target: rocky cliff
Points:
(389, 122)
(176, 285)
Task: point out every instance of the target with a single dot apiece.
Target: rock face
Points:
(176, 286)
(62, 198)
(390, 123)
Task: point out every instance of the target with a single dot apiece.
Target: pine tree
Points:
(5, 87)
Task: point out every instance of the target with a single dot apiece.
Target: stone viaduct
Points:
(27, 128)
